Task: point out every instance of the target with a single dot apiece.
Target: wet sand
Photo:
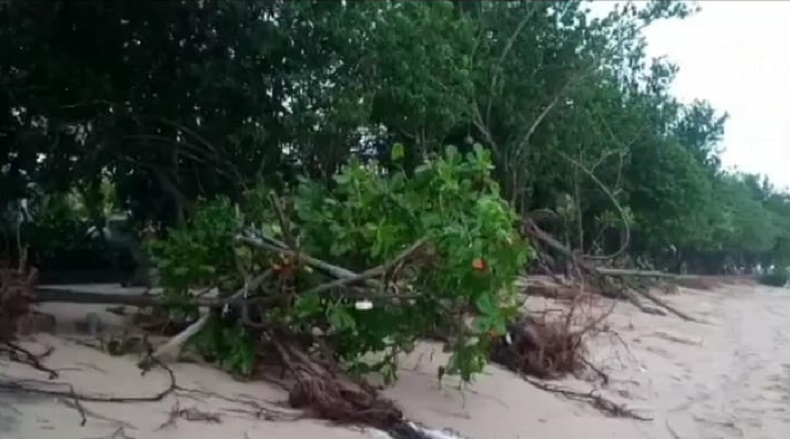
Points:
(728, 377)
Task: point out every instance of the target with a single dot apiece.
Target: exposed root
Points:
(40, 388)
(551, 345)
(17, 286)
(189, 414)
(119, 433)
(326, 395)
(22, 355)
(539, 348)
(597, 401)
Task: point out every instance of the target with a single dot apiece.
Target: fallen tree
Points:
(320, 279)
(616, 283)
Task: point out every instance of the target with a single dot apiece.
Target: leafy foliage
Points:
(474, 253)
(201, 252)
(367, 219)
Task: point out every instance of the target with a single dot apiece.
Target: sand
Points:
(728, 377)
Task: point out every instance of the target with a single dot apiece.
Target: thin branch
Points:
(627, 239)
(508, 47)
(373, 272)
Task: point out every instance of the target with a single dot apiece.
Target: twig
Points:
(670, 430)
(285, 224)
(604, 377)
(91, 414)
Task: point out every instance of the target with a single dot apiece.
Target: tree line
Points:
(176, 101)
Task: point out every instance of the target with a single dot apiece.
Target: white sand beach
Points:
(726, 378)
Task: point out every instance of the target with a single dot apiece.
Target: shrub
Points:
(774, 278)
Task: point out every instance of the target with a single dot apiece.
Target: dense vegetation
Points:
(181, 101)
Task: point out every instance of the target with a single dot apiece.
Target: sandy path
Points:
(727, 378)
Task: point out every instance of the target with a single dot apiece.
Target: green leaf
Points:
(341, 320)
(398, 152)
(481, 324)
(307, 305)
(486, 304)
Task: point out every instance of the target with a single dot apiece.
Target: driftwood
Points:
(605, 275)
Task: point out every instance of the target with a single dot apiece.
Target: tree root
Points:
(38, 388)
(597, 401)
(22, 355)
(190, 414)
(329, 396)
(545, 349)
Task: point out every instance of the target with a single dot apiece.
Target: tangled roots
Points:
(331, 400)
(544, 349)
(17, 286)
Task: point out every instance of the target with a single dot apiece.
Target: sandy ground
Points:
(726, 378)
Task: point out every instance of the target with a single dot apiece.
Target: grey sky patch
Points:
(734, 55)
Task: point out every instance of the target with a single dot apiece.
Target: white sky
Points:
(736, 55)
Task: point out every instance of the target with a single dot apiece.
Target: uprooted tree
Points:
(342, 282)
(372, 265)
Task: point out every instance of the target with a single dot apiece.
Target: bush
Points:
(774, 278)
(57, 238)
(368, 217)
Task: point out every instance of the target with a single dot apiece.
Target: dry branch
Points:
(175, 344)
(604, 275)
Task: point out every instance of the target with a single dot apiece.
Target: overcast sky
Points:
(736, 54)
